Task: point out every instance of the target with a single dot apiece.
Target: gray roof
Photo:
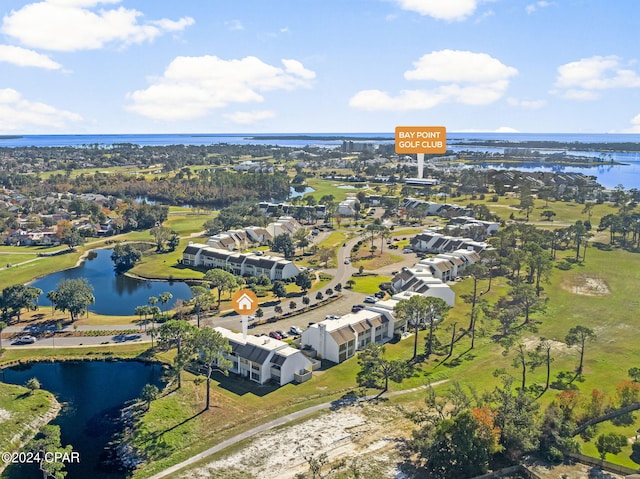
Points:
(260, 262)
(191, 250)
(278, 359)
(250, 352)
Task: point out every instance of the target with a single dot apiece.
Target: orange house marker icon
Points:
(244, 302)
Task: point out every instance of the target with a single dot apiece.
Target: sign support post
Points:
(244, 302)
(418, 140)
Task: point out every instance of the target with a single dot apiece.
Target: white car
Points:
(295, 330)
(347, 261)
(371, 299)
(25, 340)
(331, 316)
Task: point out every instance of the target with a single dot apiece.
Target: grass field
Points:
(368, 284)
(17, 408)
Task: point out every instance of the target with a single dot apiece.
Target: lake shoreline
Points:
(31, 429)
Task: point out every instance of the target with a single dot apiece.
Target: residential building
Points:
(430, 241)
(348, 207)
(263, 359)
(421, 280)
(338, 339)
(241, 264)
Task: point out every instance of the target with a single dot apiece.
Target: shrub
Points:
(564, 265)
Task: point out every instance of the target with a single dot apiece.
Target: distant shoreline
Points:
(626, 146)
(10, 137)
(320, 137)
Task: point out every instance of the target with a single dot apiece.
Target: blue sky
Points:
(213, 66)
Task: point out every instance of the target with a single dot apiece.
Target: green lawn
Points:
(18, 407)
(368, 284)
(165, 265)
(187, 223)
(8, 258)
(330, 187)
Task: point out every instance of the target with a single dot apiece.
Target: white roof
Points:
(347, 320)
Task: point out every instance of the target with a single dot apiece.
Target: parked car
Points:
(282, 334)
(379, 294)
(275, 335)
(357, 307)
(347, 261)
(251, 318)
(295, 330)
(371, 299)
(331, 316)
(25, 340)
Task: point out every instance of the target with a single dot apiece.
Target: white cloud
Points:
(234, 25)
(296, 68)
(450, 10)
(459, 66)
(70, 25)
(583, 79)
(635, 125)
(526, 104)
(26, 58)
(193, 86)
(533, 7)
(506, 129)
(465, 77)
(250, 117)
(20, 115)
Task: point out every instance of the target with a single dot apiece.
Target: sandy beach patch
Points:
(586, 285)
(348, 433)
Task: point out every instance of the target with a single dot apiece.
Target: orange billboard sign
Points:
(421, 139)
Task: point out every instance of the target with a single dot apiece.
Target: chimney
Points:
(322, 331)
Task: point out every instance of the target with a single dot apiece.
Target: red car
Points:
(275, 335)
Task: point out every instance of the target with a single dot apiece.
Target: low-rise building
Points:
(348, 207)
(241, 264)
(420, 280)
(430, 241)
(338, 339)
(263, 359)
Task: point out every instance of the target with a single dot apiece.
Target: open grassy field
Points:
(187, 223)
(13, 258)
(368, 284)
(330, 187)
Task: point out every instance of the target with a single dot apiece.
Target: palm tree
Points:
(52, 296)
(165, 298)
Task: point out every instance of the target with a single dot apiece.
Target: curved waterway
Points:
(116, 294)
(92, 394)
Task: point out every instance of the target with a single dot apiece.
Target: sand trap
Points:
(586, 285)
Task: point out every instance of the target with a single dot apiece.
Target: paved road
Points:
(270, 425)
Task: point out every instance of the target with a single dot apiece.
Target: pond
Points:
(116, 295)
(91, 394)
(299, 190)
